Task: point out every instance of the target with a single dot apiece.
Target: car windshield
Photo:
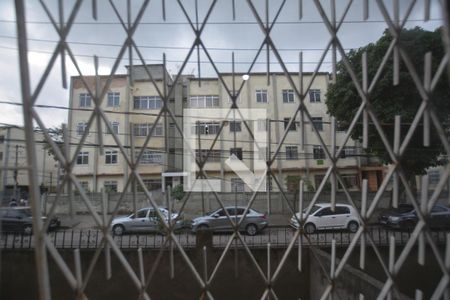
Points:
(313, 209)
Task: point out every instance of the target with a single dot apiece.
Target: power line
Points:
(174, 61)
(302, 22)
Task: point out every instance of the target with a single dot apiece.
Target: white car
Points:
(321, 217)
(146, 220)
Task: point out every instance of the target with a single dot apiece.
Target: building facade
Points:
(132, 105)
(15, 183)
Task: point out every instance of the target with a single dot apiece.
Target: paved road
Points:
(278, 237)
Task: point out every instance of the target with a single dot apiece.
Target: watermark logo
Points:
(233, 142)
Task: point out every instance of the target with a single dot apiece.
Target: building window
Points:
(317, 123)
(147, 102)
(151, 157)
(261, 96)
(350, 181)
(288, 96)
(214, 155)
(110, 186)
(286, 122)
(235, 126)
(434, 176)
(206, 128)
(291, 152)
(115, 128)
(318, 152)
(1, 155)
(111, 157)
(203, 101)
(113, 99)
(150, 185)
(237, 185)
(347, 151)
(85, 100)
(81, 128)
(84, 186)
(83, 158)
(144, 129)
(2, 139)
(237, 152)
(314, 96)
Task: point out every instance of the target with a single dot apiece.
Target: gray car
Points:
(218, 220)
(145, 220)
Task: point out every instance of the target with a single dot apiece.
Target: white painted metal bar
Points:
(43, 282)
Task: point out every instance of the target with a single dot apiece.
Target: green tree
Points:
(388, 100)
(178, 192)
(56, 133)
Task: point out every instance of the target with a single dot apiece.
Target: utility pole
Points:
(16, 173)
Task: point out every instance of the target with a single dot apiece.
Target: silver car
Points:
(145, 220)
(218, 220)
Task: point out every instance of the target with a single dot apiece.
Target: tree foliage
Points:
(56, 133)
(388, 100)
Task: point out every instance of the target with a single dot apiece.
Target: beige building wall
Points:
(96, 172)
(47, 168)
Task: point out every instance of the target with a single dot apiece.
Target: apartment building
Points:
(132, 104)
(13, 154)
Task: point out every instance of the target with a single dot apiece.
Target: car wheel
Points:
(28, 229)
(251, 229)
(202, 227)
(310, 228)
(118, 229)
(353, 226)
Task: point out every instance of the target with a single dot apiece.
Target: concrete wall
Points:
(18, 278)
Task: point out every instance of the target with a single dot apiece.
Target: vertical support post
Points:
(333, 157)
(427, 86)
(391, 260)
(63, 55)
(396, 68)
(78, 272)
(423, 210)
(362, 257)
(365, 81)
(16, 173)
(300, 223)
(67, 156)
(105, 232)
(43, 282)
(133, 166)
(269, 158)
(397, 136)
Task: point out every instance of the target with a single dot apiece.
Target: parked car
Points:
(217, 220)
(405, 217)
(146, 220)
(321, 217)
(19, 219)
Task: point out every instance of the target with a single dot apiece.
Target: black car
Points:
(405, 217)
(19, 219)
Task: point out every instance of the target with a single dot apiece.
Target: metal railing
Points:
(278, 237)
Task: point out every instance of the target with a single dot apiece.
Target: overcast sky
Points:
(174, 36)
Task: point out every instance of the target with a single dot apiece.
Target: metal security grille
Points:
(105, 242)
